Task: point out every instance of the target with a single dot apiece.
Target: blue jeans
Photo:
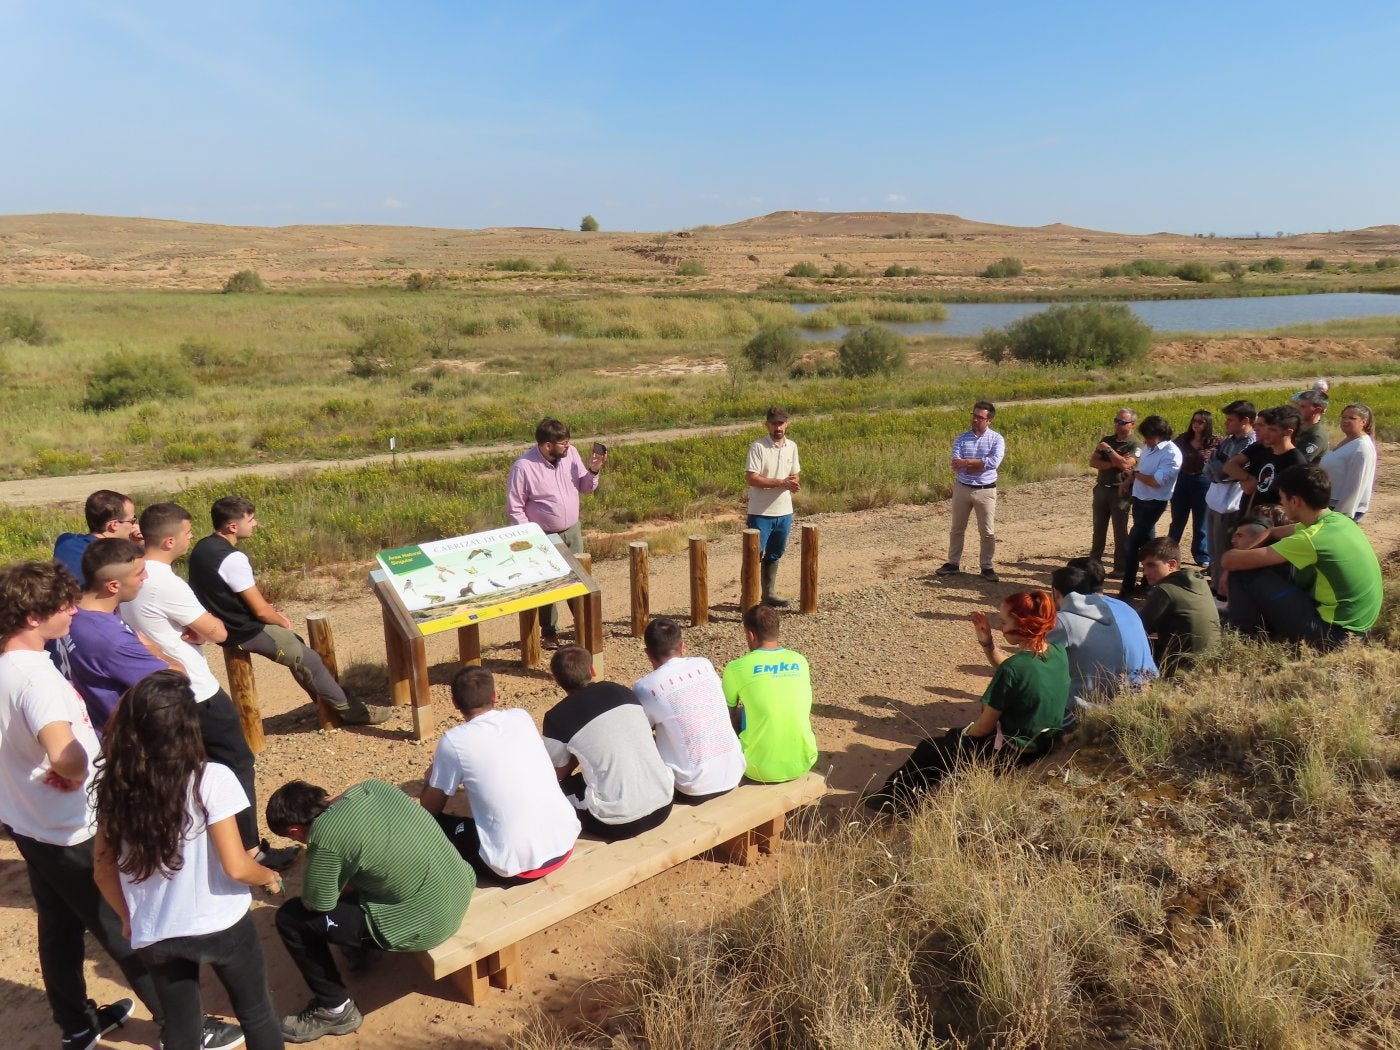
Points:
(1146, 512)
(772, 535)
(1189, 500)
(237, 960)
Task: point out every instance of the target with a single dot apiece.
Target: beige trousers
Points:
(982, 502)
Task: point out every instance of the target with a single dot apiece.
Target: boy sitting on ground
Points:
(1179, 615)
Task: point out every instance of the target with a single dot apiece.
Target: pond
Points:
(1165, 315)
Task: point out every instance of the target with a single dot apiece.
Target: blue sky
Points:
(1195, 117)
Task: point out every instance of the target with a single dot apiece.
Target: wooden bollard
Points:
(322, 641)
(529, 637)
(396, 660)
(750, 588)
(699, 582)
(583, 608)
(245, 695)
(469, 645)
(641, 587)
(422, 695)
(810, 544)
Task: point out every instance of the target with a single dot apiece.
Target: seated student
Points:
(379, 874)
(1022, 708)
(684, 701)
(770, 691)
(1180, 613)
(1335, 591)
(1102, 636)
(600, 743)
(521, 827)
(1248, 533)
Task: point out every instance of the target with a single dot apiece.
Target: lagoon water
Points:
(1166, 315)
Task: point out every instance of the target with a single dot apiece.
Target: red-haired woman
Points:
(1022, 709)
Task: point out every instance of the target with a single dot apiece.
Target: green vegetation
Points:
(1316, 264)
(128, 379)
(872, 351)
(244, 281)
(1006, 266)
(1089, 334)
(588, 224)
(691, 268)
(422, 282)
(1138, 268)
(514, 265)
(804, 269)
(841, 271)
(1196, 272)
(1273, 264)
(1234, 269)
(387, 349)
(1387, 263)
(27, 328)
(902, 271)
(560, 265)
(773, 349)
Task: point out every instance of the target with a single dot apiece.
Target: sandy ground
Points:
(892, 657)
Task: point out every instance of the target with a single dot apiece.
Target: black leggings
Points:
(934, 759)
(225, 744)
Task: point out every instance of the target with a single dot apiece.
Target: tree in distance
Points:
(1316, 264)
(804, 269)
(588, 225)
(775, 348)
(1235, 269)
(388, 349)
(1006, 266)
(244, 281)
(1079, 334)
(871, 351)
(126, 379)
(691, 268)
(1199, 272)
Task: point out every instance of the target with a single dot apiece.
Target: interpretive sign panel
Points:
(445, 584)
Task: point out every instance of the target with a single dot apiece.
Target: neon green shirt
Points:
(775, 687)
(1336, 564)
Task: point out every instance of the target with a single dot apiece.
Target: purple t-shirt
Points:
(105, 658)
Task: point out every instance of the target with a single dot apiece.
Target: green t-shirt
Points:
(1336, 563)
(775, 687)
(1030, 692)
(412, 883)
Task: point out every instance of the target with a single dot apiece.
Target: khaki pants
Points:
(573, 539)
(983, 502)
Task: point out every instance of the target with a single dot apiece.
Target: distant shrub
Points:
(1273, 264)
(1387, 263)
(1138, 268)
(514, 265)
(1235, 269)
(773, 348)
(1080, 334)
(560, 265)
(244, 281)
(422, 282)
(902, 271)
(30, 328)
(126, 379)
(1316, 264)
(198, 353)
(588, 224)
(871, 351)
(1007, 266)
(691, 268)
(387, 349)
(804, 269)
(1198, 272)
(841, 270)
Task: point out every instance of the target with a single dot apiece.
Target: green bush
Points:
(691, 268)
(126, 379)
(804, 269)
(896, 270)
(1235, 269)
(244, 281)
(27, 328)
(422, 282)
(514, 265)
(1081, 334)
(387, 349)
(1198, 272)
(1388, 263)
(774, 348)
(588, 225)
(560, 265)
(841, 270)
(1007, 266)
(1273, 264)
(1316, 264)
(1138, 268)
(871, 351)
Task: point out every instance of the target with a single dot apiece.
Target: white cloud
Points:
(896, 198)
(390, 202)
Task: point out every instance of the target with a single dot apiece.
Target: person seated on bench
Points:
(1335, 591)
(1180, 614)
(1102, 636)
(600, 743)
(770, 692)
(1022, 709)
(521, 827)
(684, 701)
(379, 874)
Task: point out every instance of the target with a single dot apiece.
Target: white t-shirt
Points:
(684, 702)
(772, 461)
(522, 818)
(237, 571)
(33, 695)
(162, 610)
(201, 897)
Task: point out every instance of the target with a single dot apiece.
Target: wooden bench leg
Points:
(769, 835)
(741, 849)
(473, 981)
(503, 967)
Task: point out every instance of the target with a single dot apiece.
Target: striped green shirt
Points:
(412, 883)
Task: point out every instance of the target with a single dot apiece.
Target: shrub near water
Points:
(1084, 334)
(775, 348)
(125, 379)
(244, 281)
(871, 351)
(1007, 266)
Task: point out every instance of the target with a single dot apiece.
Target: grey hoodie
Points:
(1106, 644)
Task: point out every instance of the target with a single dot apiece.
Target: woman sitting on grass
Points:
(171, 864)
(1022, 708)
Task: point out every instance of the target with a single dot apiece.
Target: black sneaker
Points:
(316, 1021)
(219, 1035)
(947, 569)
(277, 859)
(113, 1015)
(990, 575)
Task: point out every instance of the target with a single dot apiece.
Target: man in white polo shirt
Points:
(166, 611)
(772, 473)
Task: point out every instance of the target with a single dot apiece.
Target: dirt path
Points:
(72, 490)
(892, 657)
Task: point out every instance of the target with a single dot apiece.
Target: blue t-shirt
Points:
(105, 658)
(69, 548)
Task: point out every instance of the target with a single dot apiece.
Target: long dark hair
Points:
(151, 754)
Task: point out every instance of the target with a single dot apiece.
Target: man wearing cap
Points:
(772, 474)
(1311, 440)
(1114, 457)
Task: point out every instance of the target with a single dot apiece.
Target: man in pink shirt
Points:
(544, 487)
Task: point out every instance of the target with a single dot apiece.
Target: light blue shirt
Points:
(1162, 463)
(989, 448)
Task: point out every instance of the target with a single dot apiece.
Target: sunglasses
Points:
(1124, 422)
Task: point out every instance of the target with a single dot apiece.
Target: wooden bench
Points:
(740, 825)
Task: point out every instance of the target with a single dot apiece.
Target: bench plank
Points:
(500, 918)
